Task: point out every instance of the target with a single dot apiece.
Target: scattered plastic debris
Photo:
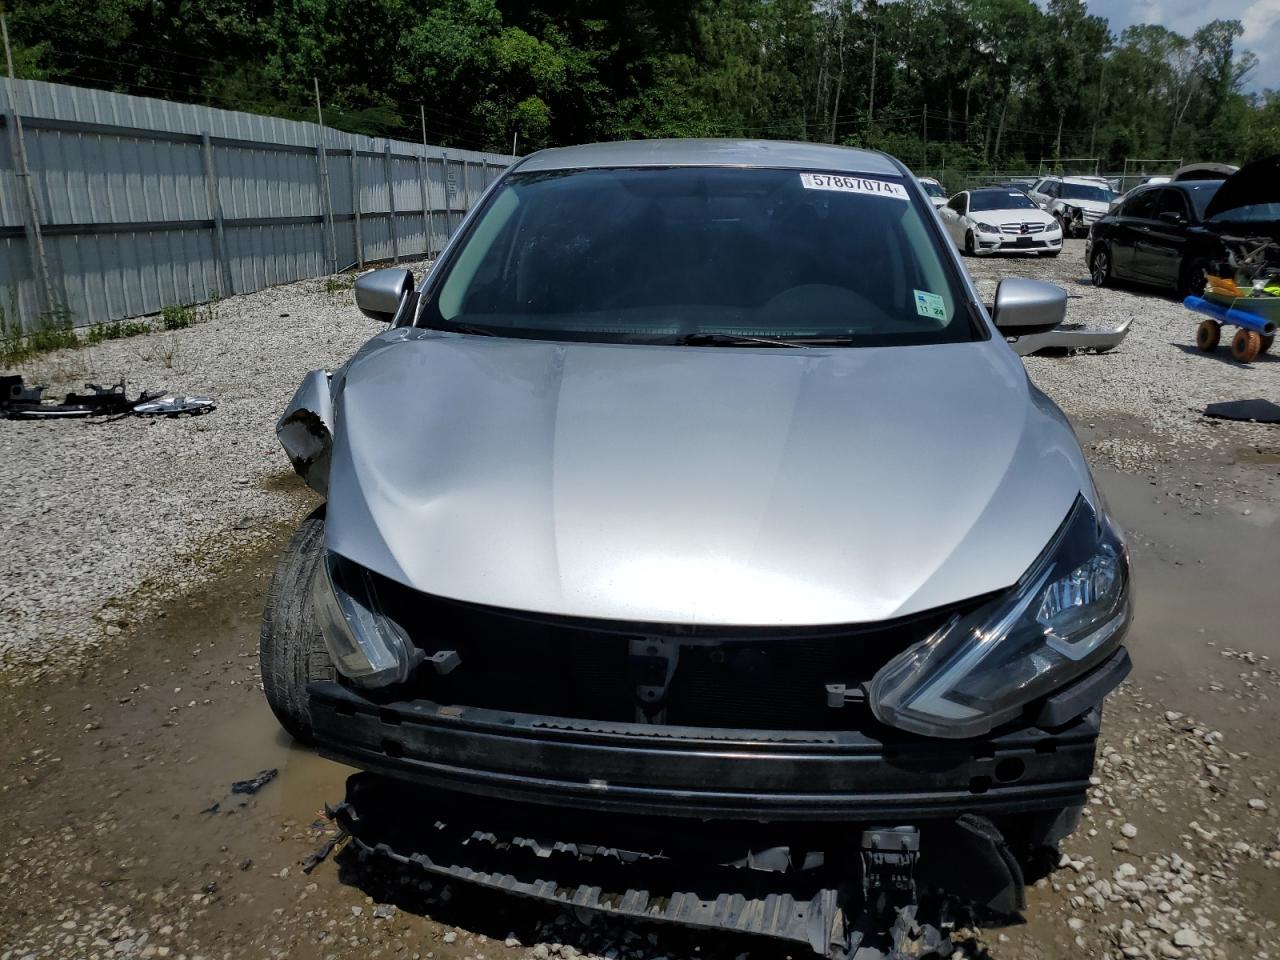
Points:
(254, 784)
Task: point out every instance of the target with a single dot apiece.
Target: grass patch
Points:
(338, 283)
(178, 317)
(120, 330)
(52, 331)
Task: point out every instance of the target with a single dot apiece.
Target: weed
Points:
(338, 283)
(120, 330)
(53, 330)
(178, 317)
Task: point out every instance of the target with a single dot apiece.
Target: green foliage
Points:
(178, 317)
(982, 83)
(52, 331)
(119, 330)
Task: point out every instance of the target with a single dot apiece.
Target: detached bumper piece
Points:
(1073, 337)
(848, 892)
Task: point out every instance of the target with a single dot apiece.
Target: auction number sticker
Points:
(847, 184)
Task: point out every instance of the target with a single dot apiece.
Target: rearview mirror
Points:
(1028, 306)
(379, 293)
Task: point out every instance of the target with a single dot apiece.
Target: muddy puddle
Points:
(111, 779)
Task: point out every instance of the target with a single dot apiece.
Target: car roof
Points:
(719, 153)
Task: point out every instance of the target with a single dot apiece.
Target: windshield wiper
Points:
(464, 328)
(732, 340)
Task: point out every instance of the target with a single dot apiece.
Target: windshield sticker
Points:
(874, 188)
(930, 305)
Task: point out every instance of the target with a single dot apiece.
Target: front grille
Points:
(1021, 228)
(754, 677)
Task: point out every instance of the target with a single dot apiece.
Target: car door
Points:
(1160, 241)
(1135, 215)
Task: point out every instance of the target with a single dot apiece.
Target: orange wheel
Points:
(1246, 345)
(1267, 342)
(1207, 335)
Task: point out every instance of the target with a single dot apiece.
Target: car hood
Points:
(1000, 217)
(696, 485)
(1254, 183)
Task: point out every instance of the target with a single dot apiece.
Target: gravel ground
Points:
(92, 511)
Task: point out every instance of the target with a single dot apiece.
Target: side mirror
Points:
(1028, 306)
(379, 293)
(1172, 217)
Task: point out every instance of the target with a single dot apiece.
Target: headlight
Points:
(1051, 227)
(367, 646)
(987, 228)
(1067, 614)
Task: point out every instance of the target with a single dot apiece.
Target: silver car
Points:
(696, 482)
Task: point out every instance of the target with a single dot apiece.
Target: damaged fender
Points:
(305, 430)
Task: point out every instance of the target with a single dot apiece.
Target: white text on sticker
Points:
(846, 184)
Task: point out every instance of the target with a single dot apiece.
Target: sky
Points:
(1261, 19)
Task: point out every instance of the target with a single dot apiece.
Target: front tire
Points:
(292, 651)
(1100, 267)
(1191, 280)
(969, 249)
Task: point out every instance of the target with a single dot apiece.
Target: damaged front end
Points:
(305, 430)
(850, 890)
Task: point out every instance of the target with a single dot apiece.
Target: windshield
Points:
(981, 200)
(1200, 195)
(1085, 191)
(659, 255)
(932, 189)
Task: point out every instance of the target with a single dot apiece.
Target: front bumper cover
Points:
(873, 774)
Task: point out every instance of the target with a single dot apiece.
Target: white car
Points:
(1000, 220)
(933, 190)
(1075, 202)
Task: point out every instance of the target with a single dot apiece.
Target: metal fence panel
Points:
(144, 203)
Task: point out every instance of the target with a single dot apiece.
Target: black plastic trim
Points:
(1085, 693)
(735, 774)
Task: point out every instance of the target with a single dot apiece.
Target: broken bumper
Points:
(1072, 337)
(717, 773)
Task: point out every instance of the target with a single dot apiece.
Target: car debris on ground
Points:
(21, 402)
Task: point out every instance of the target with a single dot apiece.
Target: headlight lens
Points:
(1066, 614)
(987, 228)
(367, 646)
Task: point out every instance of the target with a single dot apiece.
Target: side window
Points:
(957, 203)
(1039, 187)
(1051, 189)
(1171, 201)
(1143, 206)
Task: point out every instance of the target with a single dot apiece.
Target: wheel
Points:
(1207, 335)
(1266, 343)
(1062, 226)
(1100, 267)
(1191, 282)
(1246, 345)
(968, 244)
(292, 651)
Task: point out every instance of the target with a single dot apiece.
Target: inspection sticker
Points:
(847, 184)
(930, 305)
